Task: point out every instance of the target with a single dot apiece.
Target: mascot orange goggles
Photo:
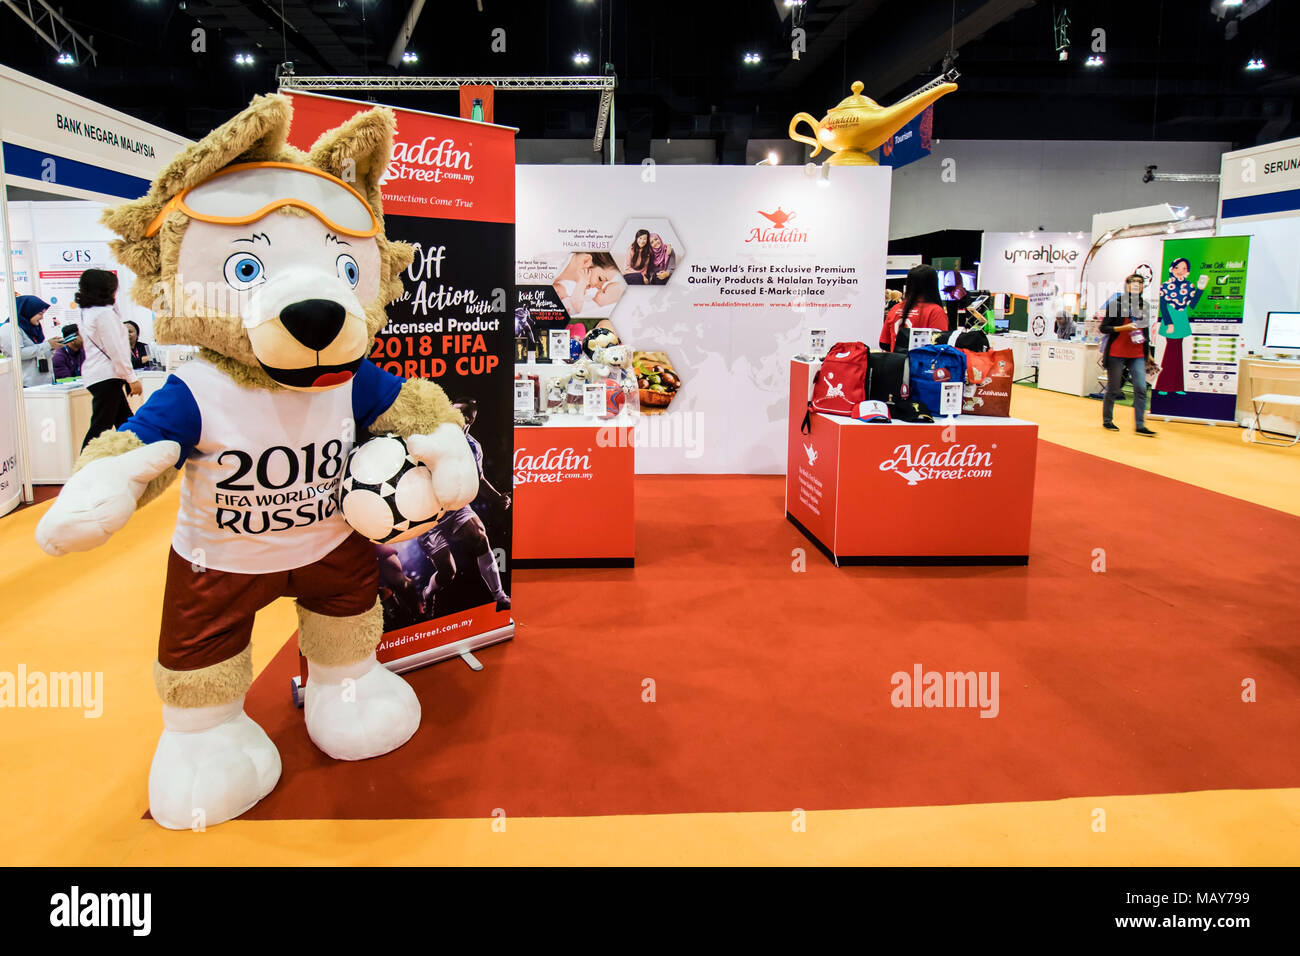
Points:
(237, 196)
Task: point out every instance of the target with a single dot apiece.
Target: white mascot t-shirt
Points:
(261, 466)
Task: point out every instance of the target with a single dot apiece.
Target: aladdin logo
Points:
(429, 161)
(1047, 253)
(779, 219)
(551, 466)
(956, 462)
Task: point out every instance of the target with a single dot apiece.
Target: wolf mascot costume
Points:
(274, 263)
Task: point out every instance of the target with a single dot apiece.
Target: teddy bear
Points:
(573, 391)
(274, 263)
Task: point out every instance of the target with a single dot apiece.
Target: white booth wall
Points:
(66, 236)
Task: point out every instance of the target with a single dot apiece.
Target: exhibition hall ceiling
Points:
(719, 70)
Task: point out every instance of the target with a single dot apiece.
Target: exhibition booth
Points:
(552, 333)
(78, 156)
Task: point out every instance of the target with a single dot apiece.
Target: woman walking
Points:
(106, 369)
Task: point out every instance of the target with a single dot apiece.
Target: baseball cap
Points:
(912, 410)
(69, 332)
(872, 411)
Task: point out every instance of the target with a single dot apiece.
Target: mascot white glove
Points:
(100, 498)
(446, 454)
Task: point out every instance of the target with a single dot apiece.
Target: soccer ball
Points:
(386, 495)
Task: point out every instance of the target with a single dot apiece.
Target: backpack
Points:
(929, 367)
(888, 379)
(840, 384)
(968, 340)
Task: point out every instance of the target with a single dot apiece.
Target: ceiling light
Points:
(753, 59)
(66, 59)
(410, 56)
(1255, 63)
(1231, 3)
(1093, 60)
(244, 59)
(581, 59)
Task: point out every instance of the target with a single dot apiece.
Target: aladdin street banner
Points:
(450, 192)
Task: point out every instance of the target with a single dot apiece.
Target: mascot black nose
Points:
(314, 322)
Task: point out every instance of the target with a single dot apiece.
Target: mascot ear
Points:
(256, 134)
(358, 152)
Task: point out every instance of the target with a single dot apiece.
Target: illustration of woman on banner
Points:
(1177, 298)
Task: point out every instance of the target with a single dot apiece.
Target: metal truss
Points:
(48, 24)
(572, 84)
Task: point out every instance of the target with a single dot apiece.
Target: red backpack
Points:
(841, 382)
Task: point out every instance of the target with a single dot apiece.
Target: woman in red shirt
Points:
(922, 307)
(1125, 321)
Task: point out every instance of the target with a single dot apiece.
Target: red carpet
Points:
(773, 687)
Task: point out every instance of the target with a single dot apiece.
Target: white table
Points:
(58, 417)
(1069, 367)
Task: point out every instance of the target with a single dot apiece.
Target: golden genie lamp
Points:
(860, 124)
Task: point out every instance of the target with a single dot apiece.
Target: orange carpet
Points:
(772, 684)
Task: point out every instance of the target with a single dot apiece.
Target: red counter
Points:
(573, 502)
(959, 492)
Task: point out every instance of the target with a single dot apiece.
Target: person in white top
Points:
(107, 371)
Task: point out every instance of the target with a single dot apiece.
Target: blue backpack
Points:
(929, 367)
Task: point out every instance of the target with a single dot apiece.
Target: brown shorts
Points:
(208, 615)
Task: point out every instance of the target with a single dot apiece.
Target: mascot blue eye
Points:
(244, 270)
(349, 271)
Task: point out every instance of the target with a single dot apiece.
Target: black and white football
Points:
(386, 495)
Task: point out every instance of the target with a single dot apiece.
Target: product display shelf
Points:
(958, 491)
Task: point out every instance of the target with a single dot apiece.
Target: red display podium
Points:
(573, 501)
(958, 491)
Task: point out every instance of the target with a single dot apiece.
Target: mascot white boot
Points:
(274, 263)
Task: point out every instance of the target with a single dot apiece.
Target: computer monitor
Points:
(951, 279)
(1282, 331)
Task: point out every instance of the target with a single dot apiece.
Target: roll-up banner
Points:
(449, 192)
(1042, 292)
(1198, 337)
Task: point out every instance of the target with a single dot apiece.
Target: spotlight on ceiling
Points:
(410, 56)
(1254, 64)
(581, 59)
(753, 59)
(244, 59)
(1093, 61)
(66, 59)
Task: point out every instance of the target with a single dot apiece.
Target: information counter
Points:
(1069, 367)
(952, 492)
(573, 493)
(58, 417)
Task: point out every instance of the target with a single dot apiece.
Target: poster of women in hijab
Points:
(647, 251)
(1198, 335)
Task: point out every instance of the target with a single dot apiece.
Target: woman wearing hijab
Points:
(661, 260)
(35, 351)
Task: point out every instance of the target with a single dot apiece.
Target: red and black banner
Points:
(450, 192)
